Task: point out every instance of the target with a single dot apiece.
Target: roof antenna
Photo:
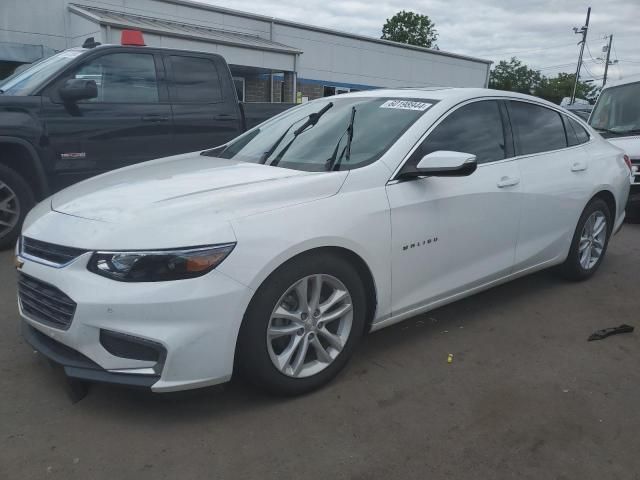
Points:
(90, 43)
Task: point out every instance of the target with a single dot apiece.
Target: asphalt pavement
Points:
(525, 397)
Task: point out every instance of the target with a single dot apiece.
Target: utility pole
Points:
(606, 63)
(582, 43)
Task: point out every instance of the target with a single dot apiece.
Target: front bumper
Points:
(78, 366)
(194, 323)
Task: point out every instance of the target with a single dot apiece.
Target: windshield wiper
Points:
(312, 119)
(632, 131)
(333, 163)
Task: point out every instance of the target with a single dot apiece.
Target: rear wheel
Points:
(590, 241)
(16, 199)
(302, 325)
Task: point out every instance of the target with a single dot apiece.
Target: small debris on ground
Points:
(450, 358)
(606, 332)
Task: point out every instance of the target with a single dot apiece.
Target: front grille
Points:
(636, 163)
(49, 253)
(44, 303)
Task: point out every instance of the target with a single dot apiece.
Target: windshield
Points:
(328, 134)
(618, 111)
(24, 82)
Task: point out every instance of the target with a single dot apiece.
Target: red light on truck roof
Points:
(132, 37)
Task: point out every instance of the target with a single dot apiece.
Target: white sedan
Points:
(274, 254)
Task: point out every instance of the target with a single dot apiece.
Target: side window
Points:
(195, 80)
(537, 129)
(122, 78)
(572, 138)
(475, 128)
(581, 133)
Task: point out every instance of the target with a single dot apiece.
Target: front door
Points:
(128, 122)
(452, 234)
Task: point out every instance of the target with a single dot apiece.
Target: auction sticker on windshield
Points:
(406, 105)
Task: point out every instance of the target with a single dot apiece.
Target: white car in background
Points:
(276, 252)
(616, 116)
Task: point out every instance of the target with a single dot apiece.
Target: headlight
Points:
(159, 265)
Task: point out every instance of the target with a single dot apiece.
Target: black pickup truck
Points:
(96, 108)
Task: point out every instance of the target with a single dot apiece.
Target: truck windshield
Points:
(290, 140)
(617, 112)
(24, 82)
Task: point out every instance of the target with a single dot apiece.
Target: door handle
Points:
(579, 167)
(508, 182)
(154, 118)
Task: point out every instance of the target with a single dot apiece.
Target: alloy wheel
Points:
(592, 240)
(9, 209)
(310, 325)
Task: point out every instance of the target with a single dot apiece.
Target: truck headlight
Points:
(159, 265)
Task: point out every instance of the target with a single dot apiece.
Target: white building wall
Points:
(328, 57)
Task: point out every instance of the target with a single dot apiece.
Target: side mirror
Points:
(76, 89)
(444, 163)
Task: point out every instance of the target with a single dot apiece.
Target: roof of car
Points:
(447, 93)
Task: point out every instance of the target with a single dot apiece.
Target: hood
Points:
(630, 145)
(191, 187)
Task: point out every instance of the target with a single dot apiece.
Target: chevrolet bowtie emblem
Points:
(18, 263)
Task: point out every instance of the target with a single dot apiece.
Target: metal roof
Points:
(313, 28)
(178, 29)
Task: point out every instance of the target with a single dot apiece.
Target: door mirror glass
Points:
(444, 163)
(76, 89)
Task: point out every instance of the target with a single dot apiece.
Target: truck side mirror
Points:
(76, 89)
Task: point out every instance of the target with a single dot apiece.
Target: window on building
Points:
(330, 90)
(238, 82)
(537, 129)
(195, 80)
(475, 128)
(122, 78)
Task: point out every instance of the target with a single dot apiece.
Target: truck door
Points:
(205, 108)
(128, 122)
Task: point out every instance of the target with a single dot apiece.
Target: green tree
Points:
(514, 76)
(556, 88)
(412, 28)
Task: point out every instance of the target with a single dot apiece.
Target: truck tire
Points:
(16, 199)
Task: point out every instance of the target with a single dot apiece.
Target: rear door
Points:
(205, 109)
(128, 122)
(555, 181)
(451, 234)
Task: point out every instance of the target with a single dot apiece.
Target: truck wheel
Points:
(16, 199)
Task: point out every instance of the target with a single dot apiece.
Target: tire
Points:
(258, 352)
(575, 267)
(16, 199)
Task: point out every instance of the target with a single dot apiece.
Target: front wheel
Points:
(16, 199)
(590, 241)
(303, 325)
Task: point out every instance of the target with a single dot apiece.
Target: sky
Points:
(538, 32)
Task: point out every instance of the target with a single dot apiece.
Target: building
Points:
(271, 60)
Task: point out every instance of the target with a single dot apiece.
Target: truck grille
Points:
(636, 163)
(49, 253)
(44, 303)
